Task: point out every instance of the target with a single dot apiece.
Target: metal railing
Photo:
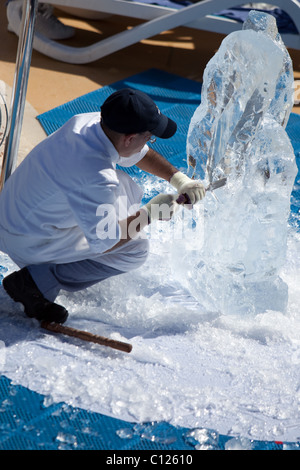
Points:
(19, 90)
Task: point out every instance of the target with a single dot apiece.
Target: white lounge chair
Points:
(201, 15)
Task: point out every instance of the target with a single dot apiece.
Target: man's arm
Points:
(157, 165)
(131, 227)
(160, 207)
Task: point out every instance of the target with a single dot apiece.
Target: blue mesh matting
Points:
(25, 422)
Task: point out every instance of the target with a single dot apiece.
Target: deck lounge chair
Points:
(201, 15)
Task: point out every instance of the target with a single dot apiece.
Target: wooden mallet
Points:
(86, 336)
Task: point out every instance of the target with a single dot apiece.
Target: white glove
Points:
(161, 207)
(193, 190)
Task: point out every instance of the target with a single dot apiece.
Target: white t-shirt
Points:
(53, 207)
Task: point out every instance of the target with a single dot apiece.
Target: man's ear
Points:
(128, 138)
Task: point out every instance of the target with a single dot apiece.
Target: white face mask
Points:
(129, 161)
(134, 158)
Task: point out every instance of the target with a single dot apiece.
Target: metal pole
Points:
(19, 89)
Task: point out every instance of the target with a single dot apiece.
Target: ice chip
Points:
(261, 22)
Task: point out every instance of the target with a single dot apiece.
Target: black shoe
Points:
(21, 288)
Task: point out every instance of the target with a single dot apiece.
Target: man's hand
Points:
(161, 207)
(193, 190)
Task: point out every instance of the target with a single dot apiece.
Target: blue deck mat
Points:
(25, 422)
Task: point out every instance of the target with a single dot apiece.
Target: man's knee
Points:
(130, 256)
(142, 252)
(135, 255)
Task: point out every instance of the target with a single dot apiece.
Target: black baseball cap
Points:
(131, 111)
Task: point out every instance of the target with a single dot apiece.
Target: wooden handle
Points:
(86, 336)
(183, 199)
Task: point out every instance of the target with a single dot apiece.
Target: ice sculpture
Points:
(238, 131)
